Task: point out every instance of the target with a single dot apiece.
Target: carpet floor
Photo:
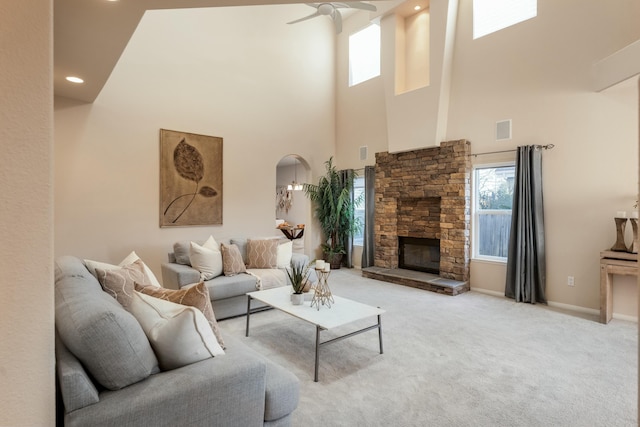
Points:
(468, 360)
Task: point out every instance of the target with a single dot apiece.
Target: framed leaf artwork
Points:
(190, 179)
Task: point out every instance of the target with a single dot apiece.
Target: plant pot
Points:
(297, 299)
(335, 260)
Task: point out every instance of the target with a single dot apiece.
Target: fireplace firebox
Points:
(420, 254)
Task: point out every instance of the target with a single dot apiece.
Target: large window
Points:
(358, 189)
(493, 199)
(364, 55)
(490, 16)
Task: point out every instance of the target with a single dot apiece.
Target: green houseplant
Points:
(298, 275)
(334, 208)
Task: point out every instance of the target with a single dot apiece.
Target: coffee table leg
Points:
(248, 314)
(315, 378)
(380, 332)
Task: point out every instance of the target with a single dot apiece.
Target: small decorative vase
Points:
(297, 299)
(619, 246)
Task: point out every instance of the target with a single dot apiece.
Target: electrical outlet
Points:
(570, 281)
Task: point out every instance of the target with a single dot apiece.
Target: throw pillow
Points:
(262, 253)
(284, 254)
(129, 259)
(181, 252)
(207, 259)
(232, 262)
(196, 295)
(180, 335)
(120, 283)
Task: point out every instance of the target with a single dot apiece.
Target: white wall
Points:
(26, 247)
(538, 73)
(242, 74)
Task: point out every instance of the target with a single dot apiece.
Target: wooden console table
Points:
(611, 262)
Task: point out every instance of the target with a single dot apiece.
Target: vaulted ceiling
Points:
(90, 36)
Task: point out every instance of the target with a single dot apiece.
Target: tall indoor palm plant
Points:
(334, 207)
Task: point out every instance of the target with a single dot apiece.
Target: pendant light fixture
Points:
(295, 186)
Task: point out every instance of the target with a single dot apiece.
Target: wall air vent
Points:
(363, 152)
(503, 130)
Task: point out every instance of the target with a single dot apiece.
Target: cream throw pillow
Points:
(180, 335)
(262, 253)
(207, 259)
(284, 254)
(196, 295)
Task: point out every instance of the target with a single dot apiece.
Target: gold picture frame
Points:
(190, 179)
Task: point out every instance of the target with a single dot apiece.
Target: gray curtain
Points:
(369, 207)
(526, 269)
(347, 176)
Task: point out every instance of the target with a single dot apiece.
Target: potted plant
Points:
(298, 275)
(334, 209)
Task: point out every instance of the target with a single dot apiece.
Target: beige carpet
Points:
(468, 360)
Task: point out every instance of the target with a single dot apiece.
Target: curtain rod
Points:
(546, 147)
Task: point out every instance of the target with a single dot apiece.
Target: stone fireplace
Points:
(424, 194)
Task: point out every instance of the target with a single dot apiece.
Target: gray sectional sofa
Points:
(108, 373)
(228, 293)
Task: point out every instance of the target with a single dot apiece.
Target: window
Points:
(493, 199)
(490, 16)
(358, 189)
(364, 55)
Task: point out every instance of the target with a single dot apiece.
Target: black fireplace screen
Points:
(420, 254)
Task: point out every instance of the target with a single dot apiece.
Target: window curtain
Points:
(347, 176)
(526, 267)
(369, 207)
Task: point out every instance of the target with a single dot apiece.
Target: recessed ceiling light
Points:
(74, 79)
(417, 7)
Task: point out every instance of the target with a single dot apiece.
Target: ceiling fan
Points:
(331, 10)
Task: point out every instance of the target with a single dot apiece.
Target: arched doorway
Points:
(292, 206)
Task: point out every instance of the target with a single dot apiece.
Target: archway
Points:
(291, 205)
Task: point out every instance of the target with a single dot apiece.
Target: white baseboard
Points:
(563, 306)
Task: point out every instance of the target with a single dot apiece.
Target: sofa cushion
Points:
(76, 387)
(232, 262)
(262, 253)
(179, 334)
(242, 247)
(196, 296)
(120, 283)
(231, 286)
(206, 258)
(107, 340)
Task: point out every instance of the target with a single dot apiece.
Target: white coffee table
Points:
(342, 312)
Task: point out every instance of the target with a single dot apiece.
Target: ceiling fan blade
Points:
(357, 5)
(337, 20)
(313, 15)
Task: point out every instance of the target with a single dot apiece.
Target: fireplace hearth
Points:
(419, 254)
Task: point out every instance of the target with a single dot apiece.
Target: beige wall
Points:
(26, 248)
(268, 93)
(537, 73)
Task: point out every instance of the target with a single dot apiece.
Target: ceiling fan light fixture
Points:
(330, 9)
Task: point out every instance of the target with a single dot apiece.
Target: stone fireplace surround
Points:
(424, 193)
